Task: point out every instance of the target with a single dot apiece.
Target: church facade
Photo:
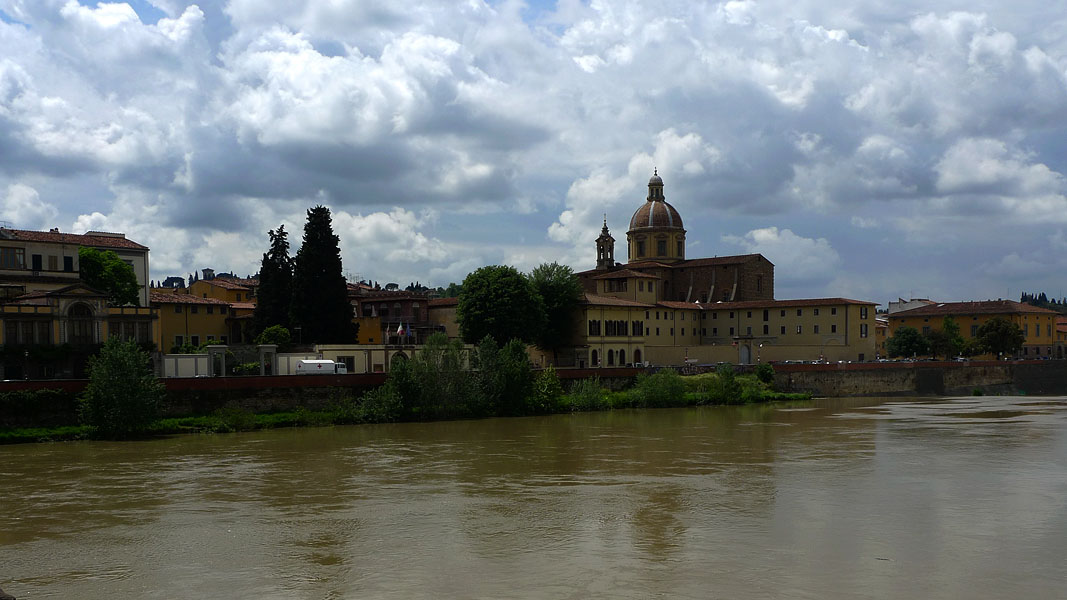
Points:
(662, 308)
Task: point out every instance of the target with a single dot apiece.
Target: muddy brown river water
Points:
(846, 498)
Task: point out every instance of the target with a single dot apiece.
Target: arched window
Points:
(622, 357)
(611, 358)
(637, 356)
(80, 325)
(595, 359)
(415, 312)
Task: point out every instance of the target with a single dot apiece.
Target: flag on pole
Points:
(400, 329)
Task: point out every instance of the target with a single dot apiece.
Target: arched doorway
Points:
(594, 359)
(622, 357)
(637, 356)
(396, 358)
(80, 325)
(746, 355)
(611, 358)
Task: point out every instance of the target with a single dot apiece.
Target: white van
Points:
(321, 367)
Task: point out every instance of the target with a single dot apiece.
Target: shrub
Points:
(233, 418)
(248, 368)
(765, 373)
(504, 375)
(664, 388)
(275, 334)
(547, 392)
(380, 405)
(123, 396)
(586, 394)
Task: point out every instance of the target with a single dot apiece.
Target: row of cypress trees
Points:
(307, 291)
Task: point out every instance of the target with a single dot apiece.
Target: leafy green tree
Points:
(1000, 336)
(275, 294)
(504, 375)
(560, 292)
(320, 304)
(105, 271)
(123, 396)
(907, 341)
(435, 383)
(945, 341)
(275, 334)
(501, 302)
(547, 392)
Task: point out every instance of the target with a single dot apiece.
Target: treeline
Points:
(1041, 300)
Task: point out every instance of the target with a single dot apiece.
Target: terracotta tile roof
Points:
(801, 302)
(444, 301)
(87, 239)
(227, 284)
(982, 307)
(678, 304)
(245, 281)
(610, 301)
(155, 297)
(623, 273)
(243, 305)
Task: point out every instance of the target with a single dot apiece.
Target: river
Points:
(843, 498)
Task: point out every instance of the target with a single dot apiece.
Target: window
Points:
(863, 330)
(211, 338)
(974, 331)
(179, 340)
(759, 283)
(731, 314)
(683, 316)
(222, 310)
(611, 358)
(646, 315)
(783, 314)
(1049, 332)
(661, 248)
(194, 340)
(13, 258)
(203, 295)
(681, 249)
(223, 339)
(800, 329)
(683, 331)
(714, 331)
(1026, 330)
(194, 309)
(783, 330)
(594, 327)
(178, 310)
(766, 329)
(210, 310)
(657, 315)
(416, 311)
(53, 263)
(833, 329)
(672, 332)
(68, 264)
(833, 310)
(800, 312)
(640, 286)
(640, 248)
(816, 329)
(704, 331)
(238, 296)
(748, 330)
(37, 261)
(731, 331)
(80, 325)
(657, 331)
(748, 315)
(816, 311)
(926, 329)
(714, 316)
(863, 312)
(766, 315)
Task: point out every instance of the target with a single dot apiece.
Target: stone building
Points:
(655, 245)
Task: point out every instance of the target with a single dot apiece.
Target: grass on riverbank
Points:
(665, 389)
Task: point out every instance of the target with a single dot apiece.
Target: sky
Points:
(873, 149)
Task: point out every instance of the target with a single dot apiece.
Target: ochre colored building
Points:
(189, 319)
(1038, 324)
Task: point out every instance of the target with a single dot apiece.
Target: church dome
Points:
(655, 212)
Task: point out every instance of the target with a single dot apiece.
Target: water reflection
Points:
(829, 499)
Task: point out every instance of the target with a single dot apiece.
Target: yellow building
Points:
(1061, 337)
(76, 319)
(1037, 324)
(221, 288)
(189, 319)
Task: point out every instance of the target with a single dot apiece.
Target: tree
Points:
(946, 341)
(275, 334)
(499, 301)
(907, 341)
(504, 375)
(560, 292)
(105, 271)
(275, 294)
(123, 396)
(1000, 336)
(320, 306)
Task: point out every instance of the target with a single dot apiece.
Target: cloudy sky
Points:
(870, 149)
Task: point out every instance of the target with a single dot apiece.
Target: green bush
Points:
(248, 368)
(664, 388)
(547, 392)
(380, 405)
(765, 373)
(275, 334)
(123, 396)
(233, 418)
(586, 394)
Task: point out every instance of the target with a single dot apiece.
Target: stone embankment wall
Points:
(925, 378)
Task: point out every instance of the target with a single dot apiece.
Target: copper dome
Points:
(656, 212)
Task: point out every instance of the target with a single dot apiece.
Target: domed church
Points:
(655, 249)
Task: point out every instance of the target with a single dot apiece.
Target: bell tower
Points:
(605, 248)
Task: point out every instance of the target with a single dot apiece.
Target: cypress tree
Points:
(275, 292)
(320, 295)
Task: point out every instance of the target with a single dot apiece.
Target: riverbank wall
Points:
(259, 394)
(1043, 377)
